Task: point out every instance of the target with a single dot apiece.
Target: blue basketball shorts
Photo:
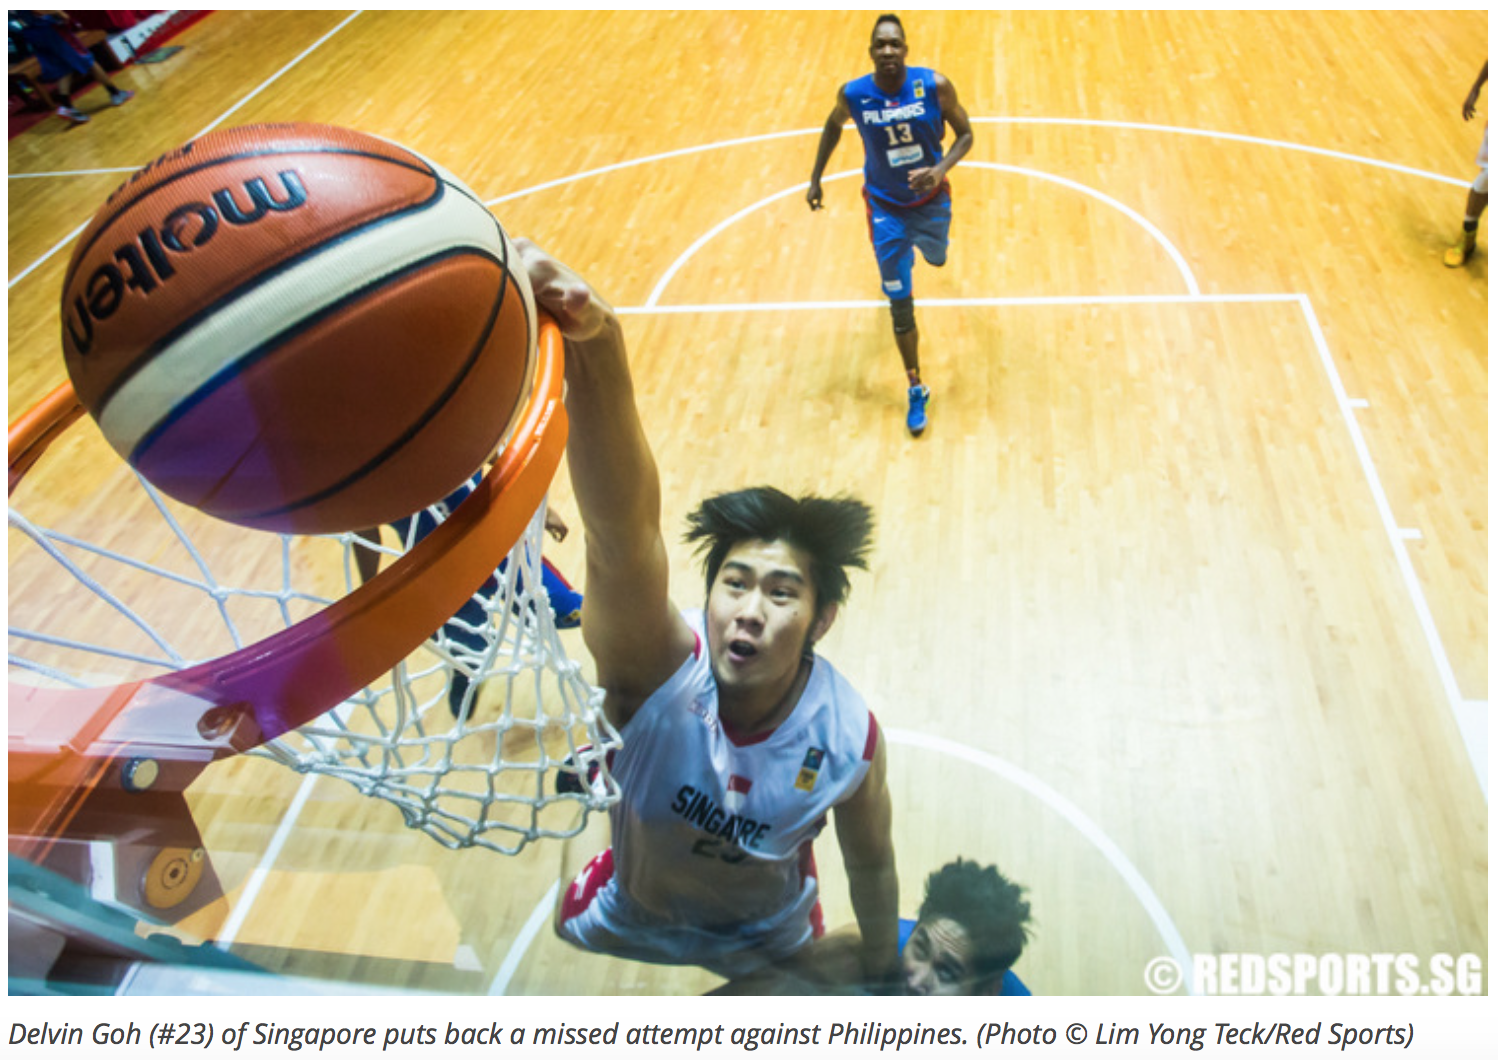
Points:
(897, 232)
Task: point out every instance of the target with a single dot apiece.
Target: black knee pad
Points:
(902, 311)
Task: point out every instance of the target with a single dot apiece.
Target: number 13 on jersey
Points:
(899, 133)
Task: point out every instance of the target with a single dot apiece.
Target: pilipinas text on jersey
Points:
(900, 131)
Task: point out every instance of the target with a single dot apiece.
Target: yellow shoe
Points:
(1456, 256)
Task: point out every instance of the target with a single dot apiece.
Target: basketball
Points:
(299, 328)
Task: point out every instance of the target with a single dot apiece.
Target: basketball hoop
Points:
(104, 737)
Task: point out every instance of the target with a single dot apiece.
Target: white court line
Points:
(251, 892)
(1078, 820)
(660, 287)
(1129, 212)
(28, 270)
(273, 78)
(789, 134)
(74, 173)
(1259, 141)
(680, 152)
(957, 303)
(1473, 729)
(537, 920)
(210, 127)
(795, 189)
(102, 886)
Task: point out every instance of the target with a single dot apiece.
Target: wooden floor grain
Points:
(1178, 612)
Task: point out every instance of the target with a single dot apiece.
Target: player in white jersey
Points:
(738, 739)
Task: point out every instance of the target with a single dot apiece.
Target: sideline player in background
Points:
(1477, 195)
(902, 114)
(738, 739)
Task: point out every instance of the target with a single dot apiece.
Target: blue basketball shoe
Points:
(915, 419)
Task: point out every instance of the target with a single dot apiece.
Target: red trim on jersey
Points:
(935, 194)
(549, 565)
(868, 203)
(873, 741)
(739, 739)
(696, 645)
(581, 892)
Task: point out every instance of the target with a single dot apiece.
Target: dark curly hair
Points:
(836, 532)
(989, 907)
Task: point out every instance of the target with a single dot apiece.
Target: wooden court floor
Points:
(1178, 612)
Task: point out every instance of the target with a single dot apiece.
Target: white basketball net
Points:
(486, 780)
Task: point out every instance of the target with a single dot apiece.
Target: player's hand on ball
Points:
(580, 312)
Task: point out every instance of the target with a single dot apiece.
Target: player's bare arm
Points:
(865, 835)
(928, 178)
(635, 634)
(832, 132)
(1469, 107)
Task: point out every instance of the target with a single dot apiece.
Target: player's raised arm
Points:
(865, 834)
(832, 132)
(635, 634)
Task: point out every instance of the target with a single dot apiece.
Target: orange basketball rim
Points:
(110, 763)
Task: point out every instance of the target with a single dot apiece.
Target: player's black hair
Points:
(990, 908)
(836, 532)
(881, 20)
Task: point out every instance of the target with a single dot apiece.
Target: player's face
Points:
(888, 50)
(938, 959)
(760, 608)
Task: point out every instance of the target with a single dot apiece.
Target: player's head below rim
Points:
(971, 929)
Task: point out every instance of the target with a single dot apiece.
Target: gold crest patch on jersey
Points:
(811, 765)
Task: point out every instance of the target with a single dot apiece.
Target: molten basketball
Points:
(299, 328)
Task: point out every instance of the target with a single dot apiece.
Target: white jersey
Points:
(712, 837)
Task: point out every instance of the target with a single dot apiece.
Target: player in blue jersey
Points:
(902, 113)
(464, 631)
(972, 927)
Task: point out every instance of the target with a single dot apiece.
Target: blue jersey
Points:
(900, 133)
